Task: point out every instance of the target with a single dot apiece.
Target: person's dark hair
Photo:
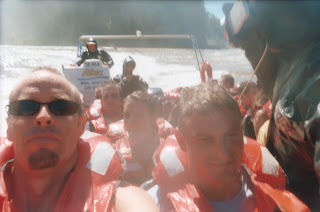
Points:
(204, 99)
(47, 69)
(228, 78)
(110, 84)
(144, 97)
(243, 85)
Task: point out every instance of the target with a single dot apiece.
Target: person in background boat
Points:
(227, 81)
(129, 82)
(106, 111)
(144, 133)
(94, 53)
(47, 165)
(211, 168)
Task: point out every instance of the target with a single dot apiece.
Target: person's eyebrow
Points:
(199, 134)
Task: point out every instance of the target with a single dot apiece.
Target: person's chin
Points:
(43, 159)
(134, 138)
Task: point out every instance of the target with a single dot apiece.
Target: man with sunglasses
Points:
(47, 166)
(129, 82)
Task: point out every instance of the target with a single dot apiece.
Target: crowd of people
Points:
(198, 148)
(203, 164)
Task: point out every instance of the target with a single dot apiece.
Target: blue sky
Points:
(215, 7)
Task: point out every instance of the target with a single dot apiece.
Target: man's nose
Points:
(219, 148)
(44, 117)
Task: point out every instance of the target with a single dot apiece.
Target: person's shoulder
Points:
(102, 51)
(138, 78)
(85, 52)
(129, 198)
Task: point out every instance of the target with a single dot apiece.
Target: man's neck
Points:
(112, 117)
(221, 191)
(39, 192)
(144, 150)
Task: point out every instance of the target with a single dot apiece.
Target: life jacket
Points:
(95, 116)
(135, 172)
(267, 108)
(6, 150)
(116, 130)
(234, 91)
(243, 111)
(265, 173)
(164, 128)
(92, 183)
(95, 110)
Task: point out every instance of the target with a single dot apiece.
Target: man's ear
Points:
(9, 135)
(82, 123)
(180, 139)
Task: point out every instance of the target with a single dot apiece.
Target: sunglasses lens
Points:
(24, 108)
(30, 107)
(63, 107)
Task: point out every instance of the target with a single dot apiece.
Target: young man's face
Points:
(128, 71)
(138, 121)
(111, 100)
(250, 97)
(214, 143)
(44, 140)
(92, 47)
(252, 94)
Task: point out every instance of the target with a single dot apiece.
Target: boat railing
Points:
(139, 35)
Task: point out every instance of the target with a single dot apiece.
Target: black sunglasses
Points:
(30, 107)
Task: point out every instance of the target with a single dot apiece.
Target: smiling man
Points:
(209, 167)
(49, 167)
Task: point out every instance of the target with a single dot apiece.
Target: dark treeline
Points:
(58, 23)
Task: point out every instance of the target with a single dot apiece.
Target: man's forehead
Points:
(41, 83)
(36, 91)
(111, 90)
(136, 107)
(196, 119)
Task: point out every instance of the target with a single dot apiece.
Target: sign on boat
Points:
(87, 77)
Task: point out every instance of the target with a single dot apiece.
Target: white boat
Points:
(92, 72)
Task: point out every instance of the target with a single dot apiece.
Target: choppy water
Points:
(165, 68)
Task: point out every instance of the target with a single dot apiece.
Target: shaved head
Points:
(52, 75)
